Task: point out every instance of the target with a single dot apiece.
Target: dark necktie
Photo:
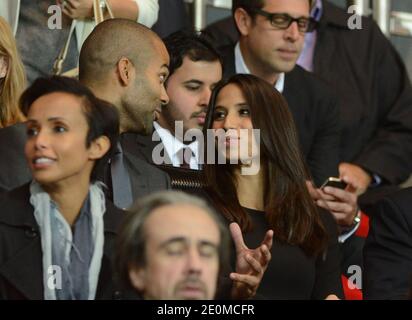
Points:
(122, 189)
(182, 159)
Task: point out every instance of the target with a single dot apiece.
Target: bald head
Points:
(125, 63)
(110, 41)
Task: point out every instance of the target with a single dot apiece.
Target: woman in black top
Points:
(258, 181)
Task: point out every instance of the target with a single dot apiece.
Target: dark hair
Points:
(183, 44)
(289, 208)
(102, 117)
(131, 241)
(250, 5)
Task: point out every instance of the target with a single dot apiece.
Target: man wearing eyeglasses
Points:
(374, 93)
(271, 39)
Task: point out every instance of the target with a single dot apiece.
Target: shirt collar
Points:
(172, 144)
(241, 67)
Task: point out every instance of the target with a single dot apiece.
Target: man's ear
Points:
(137, 278)
(125, 69)
(243, 21)
(99, 148)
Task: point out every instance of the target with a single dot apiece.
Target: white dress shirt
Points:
(172, 146)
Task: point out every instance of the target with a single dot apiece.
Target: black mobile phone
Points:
(334, 183)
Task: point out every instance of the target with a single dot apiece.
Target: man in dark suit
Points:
(374, 91)
(271, 39)
(270, 50)
(126, 64)
(388, 249)
(314, 109)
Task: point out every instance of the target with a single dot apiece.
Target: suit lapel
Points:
(142, 147)
(297, 103)
(138, 180)
(229, 63)
(138, 145)
(289, 92)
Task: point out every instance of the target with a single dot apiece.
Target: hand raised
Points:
(251, 264)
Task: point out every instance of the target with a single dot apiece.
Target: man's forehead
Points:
(189, 61)
(293, 7)
(181, 221)
(202, 68)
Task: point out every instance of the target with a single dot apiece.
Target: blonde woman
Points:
(12, 77)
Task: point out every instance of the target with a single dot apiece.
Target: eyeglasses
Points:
(283, 21)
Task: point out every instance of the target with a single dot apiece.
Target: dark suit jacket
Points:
(145, 178)
(141, 146)
(316, 116)
(187, 180)
(372, 84)
(21, 273)
(388, 249)
(14, 170)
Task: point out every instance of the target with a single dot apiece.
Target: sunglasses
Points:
(283, 21)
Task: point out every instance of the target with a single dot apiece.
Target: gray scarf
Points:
(42, 212)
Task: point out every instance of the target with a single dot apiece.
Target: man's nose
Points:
(164, 98)
(293, 33)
